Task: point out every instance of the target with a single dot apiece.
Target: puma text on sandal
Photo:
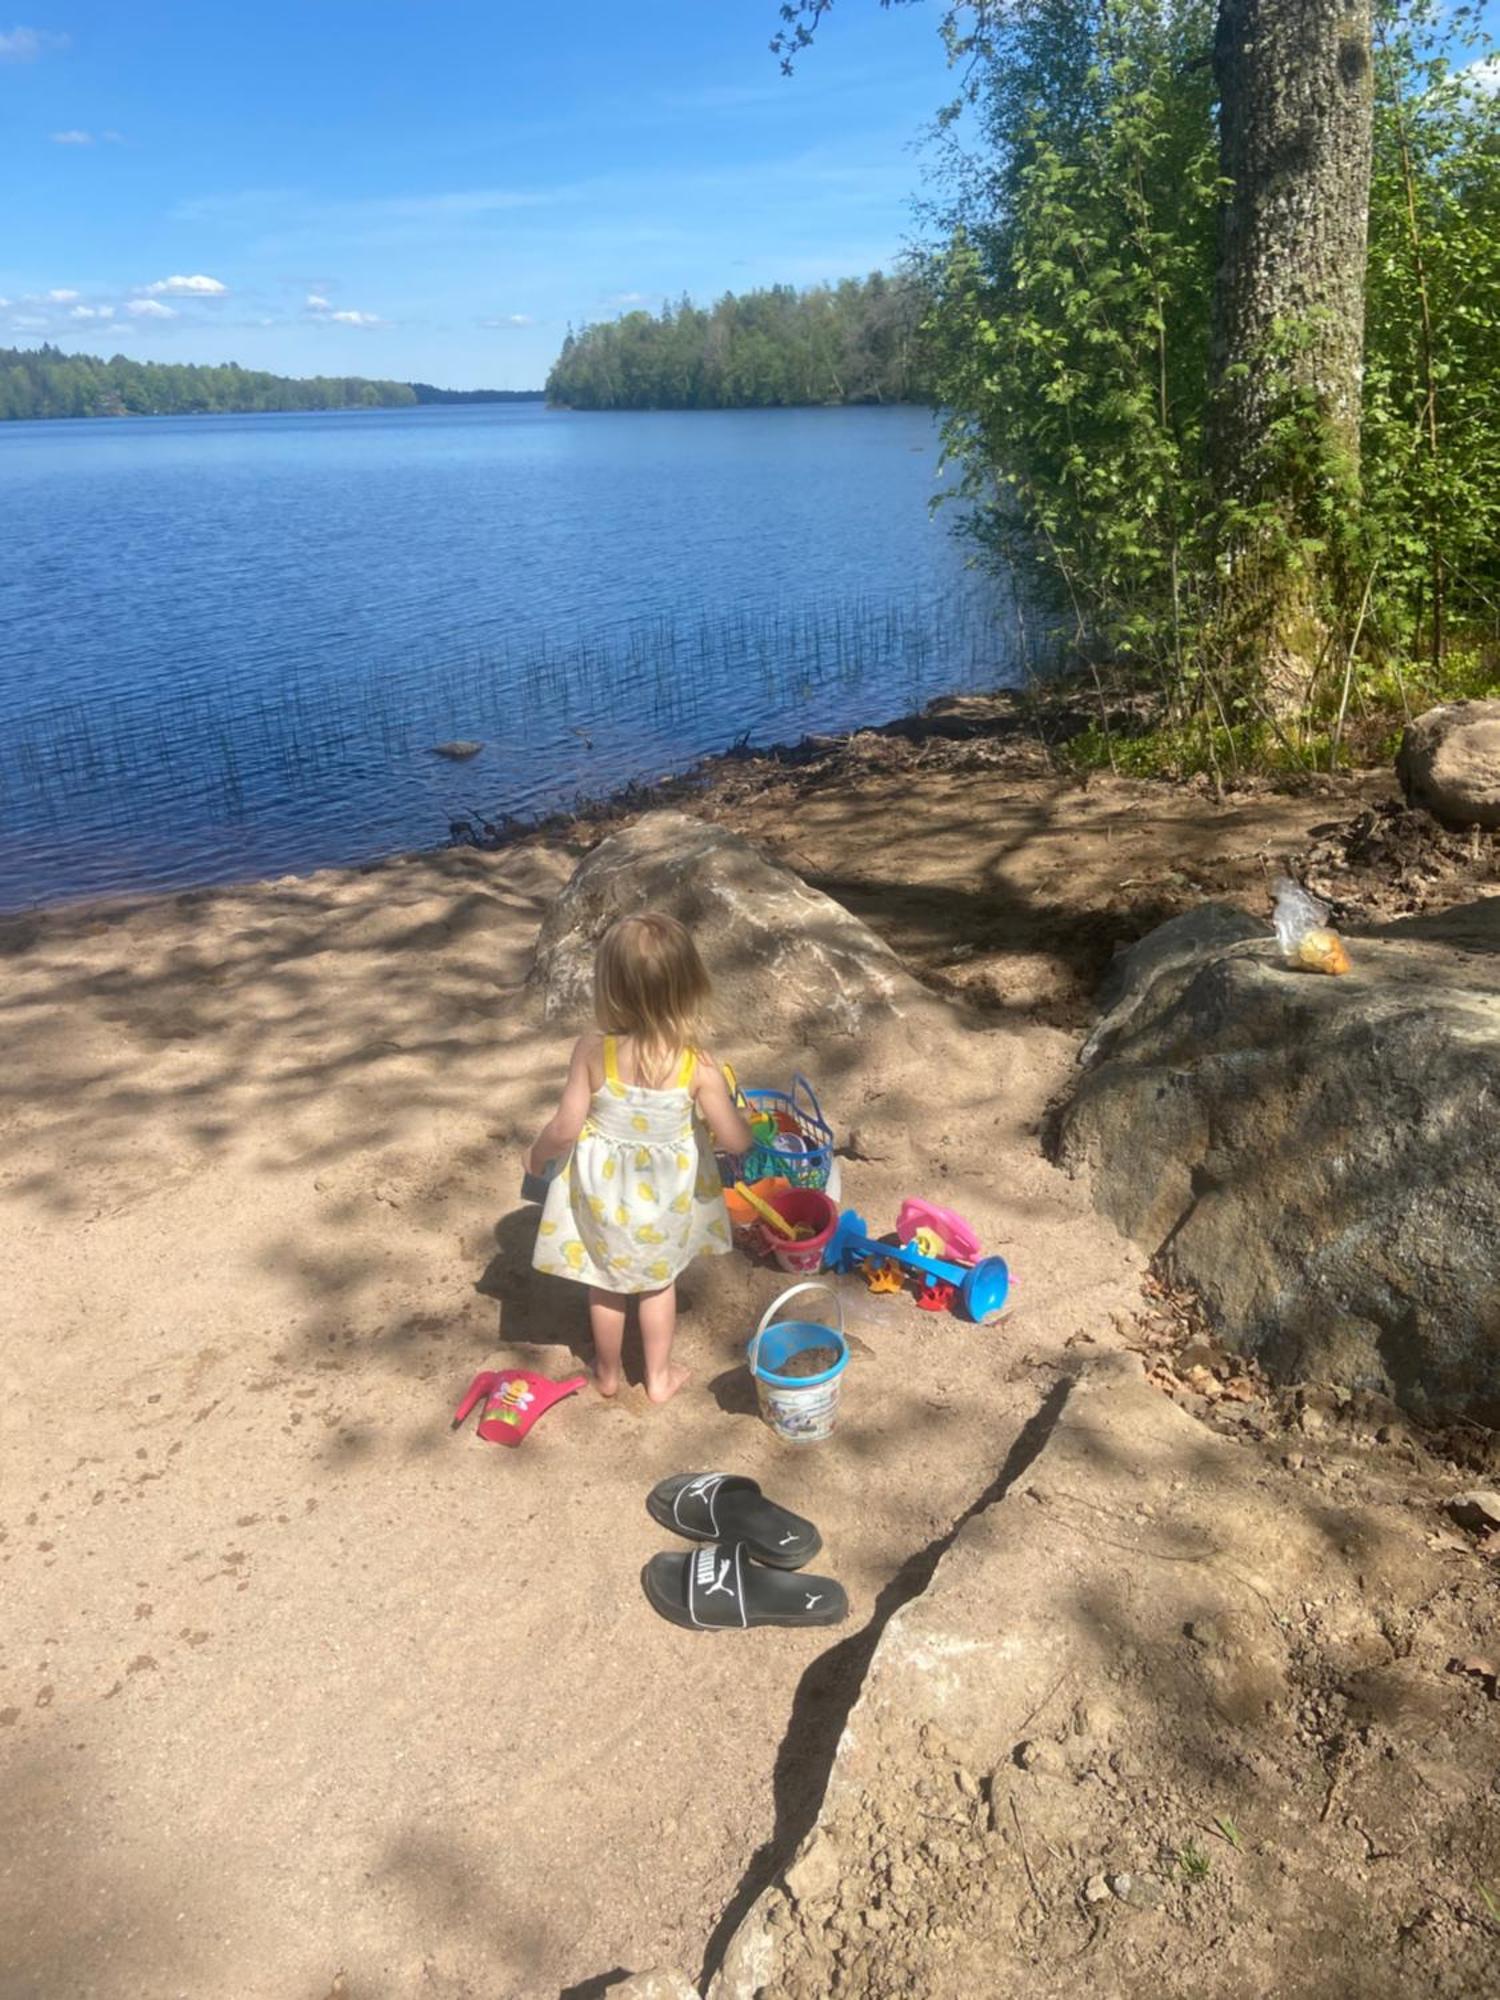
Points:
(717, 1589)
(721, 1506)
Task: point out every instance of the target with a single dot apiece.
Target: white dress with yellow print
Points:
(641, 1196)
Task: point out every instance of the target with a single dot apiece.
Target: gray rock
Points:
(814, 1875)
(1476, 1509)
(1137, 1892)
(1181, 942)
(1449, 762)
(661, 1983)
(1319, 1157)
(789, 964)
(458, 752)
(1043, 1759)
(1096, 1889)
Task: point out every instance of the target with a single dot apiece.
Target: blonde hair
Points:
(650, 984)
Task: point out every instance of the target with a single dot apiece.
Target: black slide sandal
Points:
(718, 1589)
(721, 1506)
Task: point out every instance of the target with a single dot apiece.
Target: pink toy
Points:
(513, 1400)
(961, 1245)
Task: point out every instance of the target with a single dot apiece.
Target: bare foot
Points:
(664, 1390)
(607, 1382)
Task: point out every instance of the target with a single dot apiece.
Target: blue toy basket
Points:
(804, 1155)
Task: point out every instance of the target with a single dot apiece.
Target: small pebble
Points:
(1045, 1759)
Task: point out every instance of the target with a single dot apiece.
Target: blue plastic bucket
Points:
(801, 1409)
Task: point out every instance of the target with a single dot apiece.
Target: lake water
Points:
(228, 644)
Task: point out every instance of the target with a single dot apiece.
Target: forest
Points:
(852, 342)
(45, 382)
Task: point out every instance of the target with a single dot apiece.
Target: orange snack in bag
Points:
(1323, 951)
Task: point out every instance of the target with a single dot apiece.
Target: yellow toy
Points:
(883, 1276)
(793, 1232)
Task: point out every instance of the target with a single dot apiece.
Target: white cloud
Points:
(508, 320)
(150, 309)
(626, 299)
(72, 138)
(92, 312)
(32, 322)
(1485, 75)
(197, 287)
(24, 45)
(61, 297)
(322, 309)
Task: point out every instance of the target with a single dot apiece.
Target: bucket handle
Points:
(800, 1082)
(791, 1292)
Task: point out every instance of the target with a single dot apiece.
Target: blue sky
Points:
(432, 189)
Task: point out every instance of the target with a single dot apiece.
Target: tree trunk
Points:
(1296, 95)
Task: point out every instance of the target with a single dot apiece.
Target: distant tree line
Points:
(854, 342)
(426, 393)
(45, 382)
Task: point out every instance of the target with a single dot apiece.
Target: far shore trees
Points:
(850, 342)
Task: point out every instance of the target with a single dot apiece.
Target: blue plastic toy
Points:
(982, 1288)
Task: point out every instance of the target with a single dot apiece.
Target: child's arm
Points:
(566, 1122)
(730, 1132)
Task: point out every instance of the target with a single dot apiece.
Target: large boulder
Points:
(789, 965)
(1449, 762)
(1318, 1157)
(1089, 1736)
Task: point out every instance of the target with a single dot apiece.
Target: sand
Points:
(301, 1693)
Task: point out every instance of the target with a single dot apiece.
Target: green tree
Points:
(45, 382)
(854, 342)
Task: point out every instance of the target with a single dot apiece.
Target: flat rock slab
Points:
(800, 966)
(1318, 1157)
(1096, 1740)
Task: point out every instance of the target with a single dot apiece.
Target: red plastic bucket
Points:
(807, 1208)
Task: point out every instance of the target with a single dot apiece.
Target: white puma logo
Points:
(813, 1599)
(701, 1489)
(706, 1559)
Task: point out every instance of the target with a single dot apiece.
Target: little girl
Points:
(640, 1197)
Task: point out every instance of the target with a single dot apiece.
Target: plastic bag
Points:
(1302, 930)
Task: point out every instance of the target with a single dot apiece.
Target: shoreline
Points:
(1014, 732)
(1003, 876)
